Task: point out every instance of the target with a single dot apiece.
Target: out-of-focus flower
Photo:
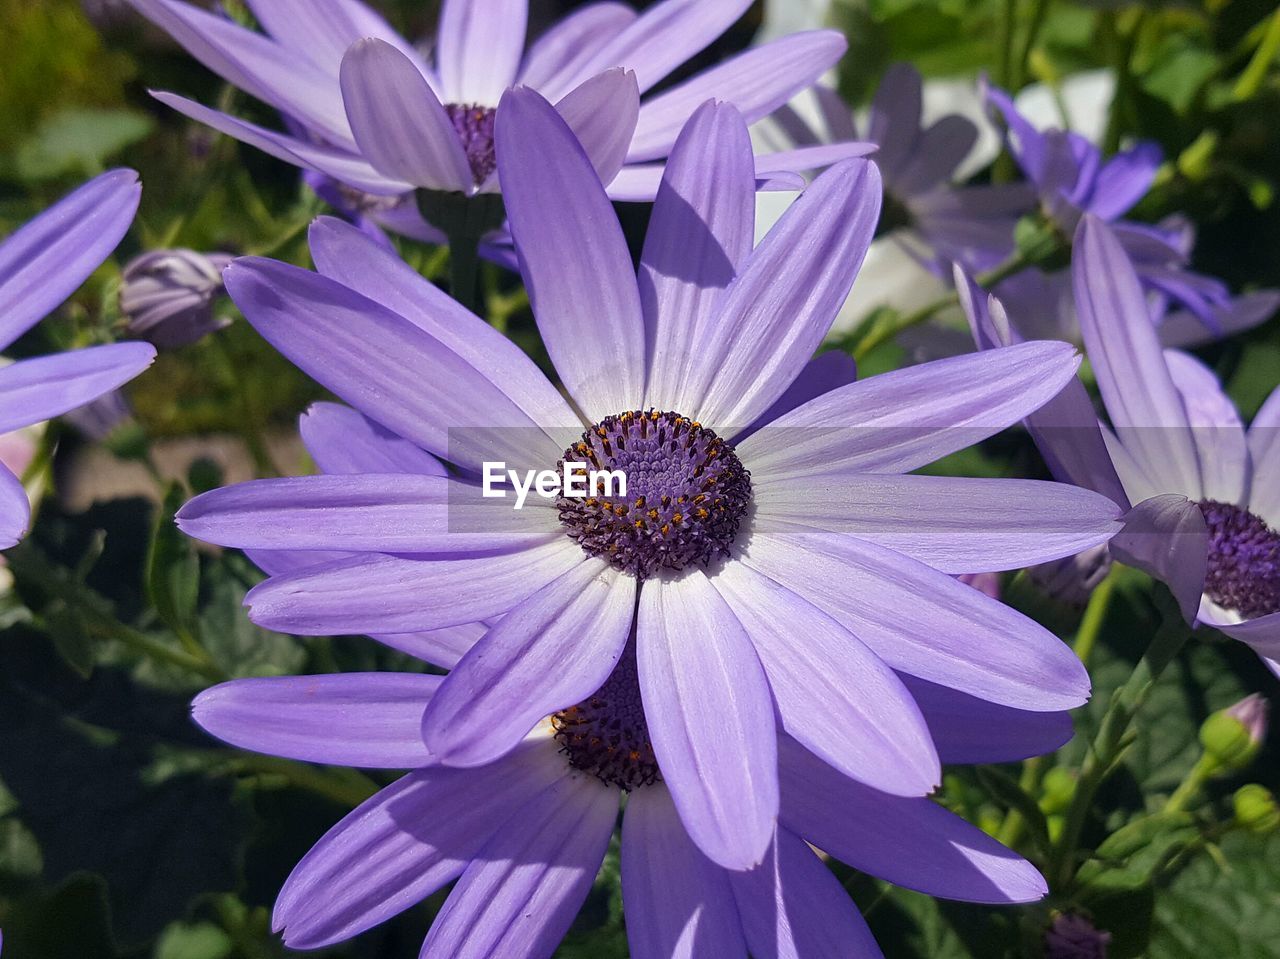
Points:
(40, 266)
(1072, 936)
(986, 583)
(812, 524)
(1073, 579)
(167, 296)
(373, 115)
(98, 419)
(17, 450)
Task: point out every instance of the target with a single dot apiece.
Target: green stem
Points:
(347, 787)
(1125, 45)
(1005, 66)
(1038, 15)
(464, 271)
(140, 642)
(1250, 80)
(1190, 787)
(1010, 830)
(1095, 615)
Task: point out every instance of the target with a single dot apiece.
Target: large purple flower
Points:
(375, 118)
(40, 266)
(1207, 497)
(807, 562)
(524, 835)
(937, 221)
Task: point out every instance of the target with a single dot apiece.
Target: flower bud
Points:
(167, 296)
(1073, 578)
(1231, 737)
(1256, 809)
(1072, 936)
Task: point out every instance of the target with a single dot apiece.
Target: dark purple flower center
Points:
(475, 129)
(1244, 561)
(606, 735)
(686, 493)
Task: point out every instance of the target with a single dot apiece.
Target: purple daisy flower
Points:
(525, 834)
(40, 266)
(1207, 499)
(935, 220)
(379, 121)
(808, 527)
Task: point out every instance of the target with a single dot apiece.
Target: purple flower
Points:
(1072, 936)
(935, 220)
(1206, 490)
(167, 296)
(525, 834)
(808, 527)
(40, 266)
(374, 116)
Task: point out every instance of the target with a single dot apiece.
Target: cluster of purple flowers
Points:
(760, 647)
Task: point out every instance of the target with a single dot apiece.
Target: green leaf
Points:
(79, 141)
(173, 569)
(199, 940)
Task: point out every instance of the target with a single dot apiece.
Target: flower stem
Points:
(345, 786)
(1255, 73)
(1095, 615)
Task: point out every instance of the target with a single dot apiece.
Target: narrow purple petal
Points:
(803, 159)
(939, 151)
(913, 843)
(550, 652)
(701, 231)
(678, 903)
(786, 297)
(703, 686)
(345, 719)
(573, 257)
(1124, 180)
(757, 82)
(521, 892)
(1183, 329)
(921, 621)
(822, 374)
(602, 113)
(1264, 449)
(1262, 634)
(1216, 428)
(554, 59)
(15, 509)
(47, 386)
(46, 260)
(322, 30)
(1025, 142)
(894, 122)
(831, 692)
(1166, 536)
(478, 48)
(342, 441)
(439, 647)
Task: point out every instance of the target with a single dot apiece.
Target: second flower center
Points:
(474, 125)
(1244, 561)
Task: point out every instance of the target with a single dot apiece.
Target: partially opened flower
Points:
(525, 834)
(808, 566)
(40, 266)
(380, 121)
(1205, 491)
(167, 296)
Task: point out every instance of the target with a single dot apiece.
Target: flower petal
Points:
(1216, 428)
(397, 121)
(553, 650)
(573, 257)
(386, 594)
(921, 621)
(832, 693)
(403, 844)
(47, 386)
(554, 59)
(1124, 180)
(602, 112)
(703, 687)
(345, 719)
(894, 120)
(700, 233)
(822, 374)
(899, 421)
(913, 843)
(1166, 536)
(940, 149)
(1264, 450)
(15, 509)
(343, 441)
(478, 48)
(678, 903)
(46, 260)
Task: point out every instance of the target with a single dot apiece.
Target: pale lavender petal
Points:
(1264, 449)
(913, 843)
(757, 82)
(678, 903)
(921, 621)
(831, 692)
(1183, 329)
(967, 730)
(700, 232)
(900, 421)
(781, 306)
(894, 122)
(941, 148)
(344, 253)
(1136, 387)
(554, 58)
(793, 906)
(46, 260)
(478, 48)
(836, 114)
(573, 256)
(394, 595)
(39, 389)
(1216, 429)
(639, 183)
(1124, 180)
(341, 440)
(439, 647)
(344, 719)
(1166, 536)
(955, 524)
(521, 892)
(1262, 634)
(803, 159)
(322, 30)
(365, 512)
(703, 686)
(15, 509)
(822, 374)
(549, 653)
(403, 844)
(374, 359)
(602, 112)
(397, 121)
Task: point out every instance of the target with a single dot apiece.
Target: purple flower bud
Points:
(167, 296)
(1072, 936)
(100, 418)
(1253, 713)
(1073, 578)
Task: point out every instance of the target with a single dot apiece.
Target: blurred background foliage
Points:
(126, 833)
